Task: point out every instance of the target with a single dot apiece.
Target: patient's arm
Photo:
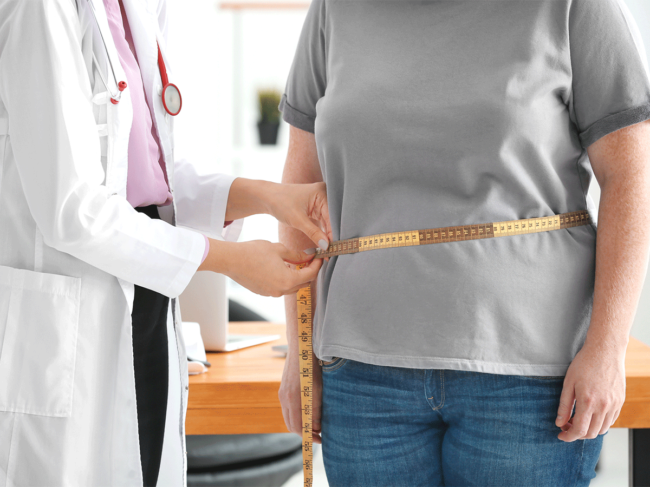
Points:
(595, 380)
(300, 167)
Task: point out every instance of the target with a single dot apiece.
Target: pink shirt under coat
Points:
(146, 182)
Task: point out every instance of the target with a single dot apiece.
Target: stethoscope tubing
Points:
(121, 86)
(115, 98)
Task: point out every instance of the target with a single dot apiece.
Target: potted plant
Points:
(269, 123)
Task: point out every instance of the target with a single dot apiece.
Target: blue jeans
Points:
(393, 427)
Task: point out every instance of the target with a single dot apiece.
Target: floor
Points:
(612, 470)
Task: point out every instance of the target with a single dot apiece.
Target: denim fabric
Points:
(390, 426)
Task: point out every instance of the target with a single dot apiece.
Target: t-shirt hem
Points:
(295, 117)
(329, 352)
(612, 123)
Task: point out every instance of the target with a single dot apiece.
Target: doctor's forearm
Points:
(250, 197)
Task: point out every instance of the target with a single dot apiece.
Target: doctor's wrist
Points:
(250, 197)
(219, 253)
(267, 193)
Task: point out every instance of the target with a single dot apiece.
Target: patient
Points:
(459, 363)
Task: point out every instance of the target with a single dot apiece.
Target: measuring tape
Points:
(305, 350)
(389, 241)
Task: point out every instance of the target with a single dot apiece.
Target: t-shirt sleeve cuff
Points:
(614, 122)
(295, 117)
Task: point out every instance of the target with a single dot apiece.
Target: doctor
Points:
(100, 231)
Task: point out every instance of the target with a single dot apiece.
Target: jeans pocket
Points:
(333, 364)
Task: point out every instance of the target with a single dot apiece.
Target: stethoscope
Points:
(171, 95)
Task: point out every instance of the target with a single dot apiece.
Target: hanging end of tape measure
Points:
(306, 350)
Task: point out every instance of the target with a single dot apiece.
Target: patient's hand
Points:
(290, 396)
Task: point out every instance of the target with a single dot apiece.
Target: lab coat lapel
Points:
(105, 31)
(146, 37)
(120, 116)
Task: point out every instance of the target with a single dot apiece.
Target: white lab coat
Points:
(72, 248)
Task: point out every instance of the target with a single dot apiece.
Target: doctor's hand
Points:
(301, 206)
(304, 207)
(596, 382)
(261, 266)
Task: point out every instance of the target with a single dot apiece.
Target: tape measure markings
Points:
(455, 234)
(306, 379)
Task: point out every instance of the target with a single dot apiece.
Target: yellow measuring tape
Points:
(305, 350)
(393, 240)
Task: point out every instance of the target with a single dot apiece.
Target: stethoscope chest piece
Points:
(171, 98)
(171, 95)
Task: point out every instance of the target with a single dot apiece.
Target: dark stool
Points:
(243, 460)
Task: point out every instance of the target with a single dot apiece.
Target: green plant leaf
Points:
(269, 99)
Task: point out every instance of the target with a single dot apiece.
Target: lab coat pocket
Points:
(39, 317)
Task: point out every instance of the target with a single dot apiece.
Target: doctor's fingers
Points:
(294, 256)
(302, 285)
(308, 273)
(307, 226)
(325, 221)
(319, 210)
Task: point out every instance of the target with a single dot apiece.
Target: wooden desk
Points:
(239, 395)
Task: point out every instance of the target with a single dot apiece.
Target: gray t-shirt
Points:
(439, 113)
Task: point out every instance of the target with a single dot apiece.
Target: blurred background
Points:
(224, 54)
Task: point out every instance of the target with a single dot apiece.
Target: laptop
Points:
(205, 301)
